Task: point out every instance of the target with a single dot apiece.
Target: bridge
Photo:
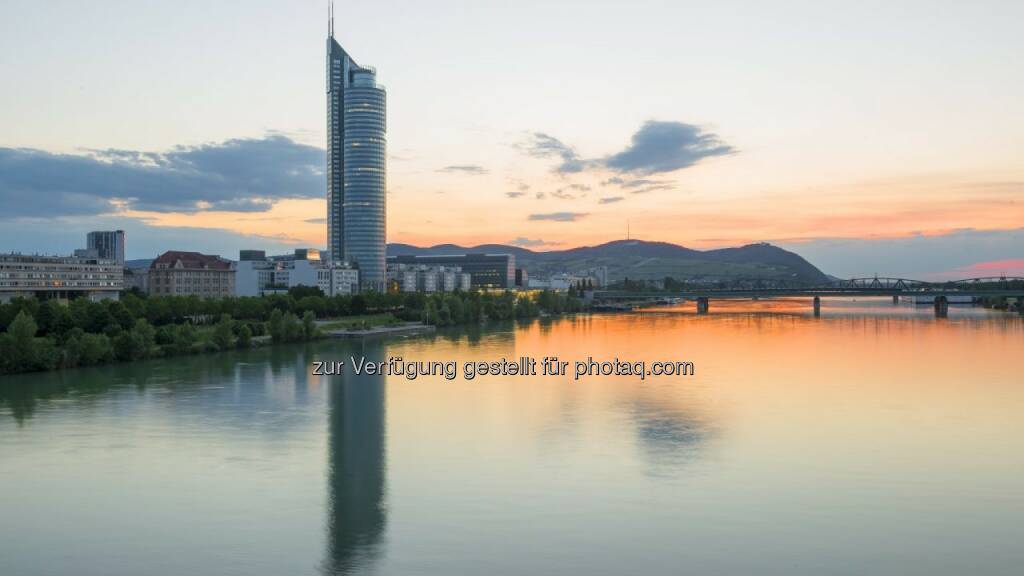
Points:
(939, 292)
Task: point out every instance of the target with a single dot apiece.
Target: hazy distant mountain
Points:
(638, 259)
(138, 263)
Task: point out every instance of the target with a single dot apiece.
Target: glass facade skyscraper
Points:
(108, 244)
(356, 166)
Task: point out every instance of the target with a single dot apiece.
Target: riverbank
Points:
(52, 335)
(402, 329)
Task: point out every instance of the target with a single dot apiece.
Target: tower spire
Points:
(330, 18)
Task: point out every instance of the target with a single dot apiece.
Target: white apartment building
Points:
(59, 277)
(257, 274)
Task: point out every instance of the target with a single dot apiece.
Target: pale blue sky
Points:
(831, 108)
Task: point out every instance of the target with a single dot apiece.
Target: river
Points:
(875, 439)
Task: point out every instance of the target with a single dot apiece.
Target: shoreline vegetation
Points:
(51, 335)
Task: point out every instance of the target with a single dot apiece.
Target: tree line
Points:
(51, 334)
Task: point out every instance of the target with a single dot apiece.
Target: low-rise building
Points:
(59, 277)
(178, 273)
(485, 270)
(563, 281)
(137, 278)
(427, 278)
(257, 274)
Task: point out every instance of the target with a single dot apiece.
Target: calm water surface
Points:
(873, 440)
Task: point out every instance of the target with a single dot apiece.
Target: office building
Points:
(177, 273)
(522, 278)
(43, 277)
(108, 244)
(356, 165)
(406, 277)
(259, 275)
(485, 270)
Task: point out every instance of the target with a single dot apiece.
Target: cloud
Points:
(653, 188)
(610, 200)
(559, 216)
(316, 220)
(657, 147)
(1013, 266)
(247, 175)
(514, 194)
(541, 145)
(660, 147)
(469, 169)
(527, 242)
(639, 185)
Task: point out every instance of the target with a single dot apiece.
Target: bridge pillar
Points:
(817, 306)
(941, 307)
(702, 305)
(895, 299)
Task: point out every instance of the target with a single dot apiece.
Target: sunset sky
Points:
(870, 137)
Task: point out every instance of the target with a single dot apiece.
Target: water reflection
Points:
(356, 468)
(794, 430)
(668, 437)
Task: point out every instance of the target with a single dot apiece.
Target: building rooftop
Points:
(190, 260)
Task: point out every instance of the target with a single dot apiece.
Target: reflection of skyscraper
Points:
(356, 468)
(356, 166)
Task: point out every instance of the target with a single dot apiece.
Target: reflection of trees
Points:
(356, 467)
(191, 381)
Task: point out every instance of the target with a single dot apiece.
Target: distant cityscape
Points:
(355, 259)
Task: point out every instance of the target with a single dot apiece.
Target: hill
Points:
(638, 259)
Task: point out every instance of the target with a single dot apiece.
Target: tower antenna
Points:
(330, 18)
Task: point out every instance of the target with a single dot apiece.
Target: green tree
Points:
(146, 336)
(223, 335)
(21, 345)
(291, 328)
(276, 325)
(128, 346)
(308, 325)
(244, 337)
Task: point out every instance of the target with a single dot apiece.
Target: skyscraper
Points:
(108, 244)
(356, 165)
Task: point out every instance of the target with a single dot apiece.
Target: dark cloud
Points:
(470, 169)
(657, 147)
(559, 216)
(514, 194)
(610, 200)
(660, 147)
(238, 175)
(316, 220)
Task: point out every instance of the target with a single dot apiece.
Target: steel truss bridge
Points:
(876, 286)
(937, 293)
